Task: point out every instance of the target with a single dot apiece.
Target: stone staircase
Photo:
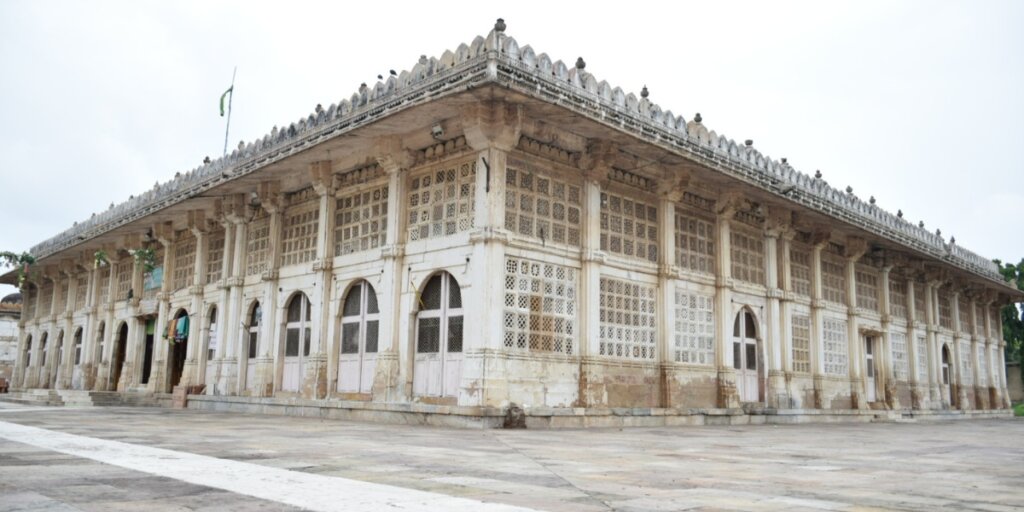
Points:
(78, 398)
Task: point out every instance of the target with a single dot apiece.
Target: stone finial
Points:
(423, 60)
(111, 207)
(748, 143)
(920, 224)
(952, 240)
(177, 175)
(817, 174)
(938, 232)
(206, 160)
(362, 87)
(241, 146)
(872, 200)
(697, 118)
(784, 160)
(380, 77)
(499, 26)
(393, 73)
(644, 93)
(580, 64)
(319, 108)
(849, 189)
(899, 213)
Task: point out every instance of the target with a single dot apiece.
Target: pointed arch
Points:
(297, 336)
(439, 321)
(359, 317)
(747, 356)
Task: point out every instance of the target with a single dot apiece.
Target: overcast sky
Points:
(920, 104)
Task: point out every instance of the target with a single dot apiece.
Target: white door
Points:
(296, 342)
(438, 365)
(360, 321)
(211, 354)
(745, 357)
(252, 345)
(869, 368)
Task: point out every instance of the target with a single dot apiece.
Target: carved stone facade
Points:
(494, 228)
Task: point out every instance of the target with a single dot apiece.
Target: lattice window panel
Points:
(540, 306)
(695, 243)
(124, 278)
(898, 346)
(833, 279)
(920, 314)
(629, 227)
(257, 246)
(922, 359)
(800, 270)
(81, 290)
(964, 312)
(104, 285)
(441, 201)
(801, 343)
(979, 314)
(542, 207)
(945, 310)
(30, 302)
(966, 375)
(361, 221)
(628, 328)
(694, 328)
(867, 289)
(747, 257)
(898, 298)
(158, 258)
(61, 302)
(46, 298)
(215, 257)
(982, 366)
(184, 262)
(835, 352)
(994, 324)
(299, 232)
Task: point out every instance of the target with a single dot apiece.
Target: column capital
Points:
(492, 124)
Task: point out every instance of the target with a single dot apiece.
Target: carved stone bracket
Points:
(490, 234)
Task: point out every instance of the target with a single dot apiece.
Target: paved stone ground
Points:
(960, 465)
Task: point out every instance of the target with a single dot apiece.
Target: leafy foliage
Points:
(21, 262)
(1013, 320)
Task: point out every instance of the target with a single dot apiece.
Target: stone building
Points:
(495, 228)
(10, 313)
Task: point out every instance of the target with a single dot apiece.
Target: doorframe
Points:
(762, 374)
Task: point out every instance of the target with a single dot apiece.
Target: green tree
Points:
(1013, 319)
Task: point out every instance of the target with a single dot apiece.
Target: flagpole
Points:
(227, 127)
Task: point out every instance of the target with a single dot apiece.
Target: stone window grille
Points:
(124, 278)
(361, 221)
(966, 377)
(964, 311)
(30, 302)
(919, 303)
(629, 227)
(800, 270)
(979, 325)
(257, 246)
(898, 345)
(747, 256)
(801, 343)
(694, 328)
(81, 291)
(542, 207)
(104, 285)
(62, 297)
(922, 359)
(441, 201)
(835, 351)
(184, 261)
(982, 370)
(298, 239)
(945, 309)
(695, 243)
(540, 306)
(867, 288)
(215, 257)
(898, 298)
(46, 298)
(628, 326)
(994, 323)
(833, 279)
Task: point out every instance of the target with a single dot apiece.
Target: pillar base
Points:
(227, 380)
(385, 378)
(778, 395)
(263, 385)
(314, 382)
(728, 397)
(918, 397)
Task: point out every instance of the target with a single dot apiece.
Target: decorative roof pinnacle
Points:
(499, 26)
(644, 93)
(580, 64)
(697, 118)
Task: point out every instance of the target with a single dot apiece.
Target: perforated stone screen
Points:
(898, 344)
(695, 243)
(215, 257)
(867, 288)
(800, 270)
(982, 366)
(629, 227)
(898, 298)
(801, 343)
(979, 314)
(945, 309)
(361, 221)
(540, 306)
(542, 207)
(104, 284)
(441, 201)
(184, 261)
(257, 246)
(298, 238)
(628, 326)
(833, 278)
(966, 375)
(124, 279)
(694, 328)
(964, 312)
(920, 314)
(836, 354)
(81, 290)
(747, 257)
(922, 359)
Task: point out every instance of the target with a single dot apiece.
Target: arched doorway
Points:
(179, 348)
(746, 358)
(98, 358)
(28, 360)
(252, 345)
(946, 375)
(360, 319)
(57, 361)
(44, 352)
(117, 358)
(297, 334)
(76, 371)
(211, 348)
(438, 364)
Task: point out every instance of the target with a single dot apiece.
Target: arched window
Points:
(28, 351)
(360, 320)
(42, 349)
(78, 346)
(745, 357)
(439, 338)
(211, 336)
(99, 341)
(297, 339)
(254, 329)
(945, 365)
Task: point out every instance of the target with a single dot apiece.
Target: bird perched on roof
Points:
(393, 73)
(379, 77)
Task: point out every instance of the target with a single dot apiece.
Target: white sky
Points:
(917, 103)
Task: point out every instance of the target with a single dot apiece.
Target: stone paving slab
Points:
(962, 465)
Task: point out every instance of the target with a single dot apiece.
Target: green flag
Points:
(222, 96)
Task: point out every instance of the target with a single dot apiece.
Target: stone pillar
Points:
(192, 373)
(855, 346)
(786, 317)
(103, 376)
(67, 365)
(387, 384)
(214, 382)
(315, 380)
(160, 375)
(1001, 360)
(130, 367)
(980, 381)
(90, 345)
(776, 393)
(818, 325)
(892, 399)
(228, 378)
(728, 396)
(669, 194)
(918, 388)
(264, 361)
(934, 350)
(590, 286)
(959, 341)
